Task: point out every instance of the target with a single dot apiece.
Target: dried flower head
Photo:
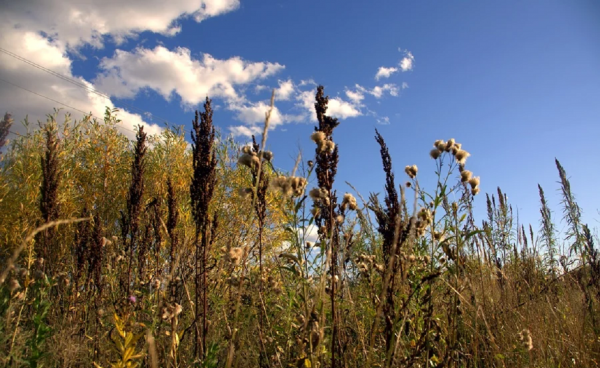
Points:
(435, 153)
(245, 192)
(248, 150)
(329, 146)
(235, 255)
(461, 156)
(449, 145)
(526, 340)
(297, 184)
(266, 155)
(249, 160)
(475, 191)
(411, 171)
(440, 145)
(465, 176)
(474, 182)
(13, 285)
(315, 194)
(317, 137)
(349, 202)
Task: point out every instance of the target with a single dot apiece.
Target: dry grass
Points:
(200, 258)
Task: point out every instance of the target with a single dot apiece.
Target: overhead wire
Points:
(76, 83)
(53, 100)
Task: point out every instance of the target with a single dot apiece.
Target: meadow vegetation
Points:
(152, 253)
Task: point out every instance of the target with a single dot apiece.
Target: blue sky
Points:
(517, 83)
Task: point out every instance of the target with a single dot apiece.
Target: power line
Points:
(53, 100)
(74, 81)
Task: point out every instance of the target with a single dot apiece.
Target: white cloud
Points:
(245, 131)
(308, 82)
(384, 72)
(254, 113)
(43, 30)
(407, 61)
(355, 96)
(259, 88)
(167, 72)
(384, 120)
(337, 107)
(50, 55)
(285, 90)
(378, 91)
(79, 22)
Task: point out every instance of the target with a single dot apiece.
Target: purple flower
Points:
(132, 299)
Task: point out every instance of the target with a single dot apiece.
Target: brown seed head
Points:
(461, 156)
(465, 176)
(474, 182)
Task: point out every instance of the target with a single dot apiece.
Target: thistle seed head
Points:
(465, 176)
(249, 160)
(317, 137)
(435, 153)
(235, 255)
(440, 145)
(474, 182)
(411, 171)
(349, 202)
(461, 156)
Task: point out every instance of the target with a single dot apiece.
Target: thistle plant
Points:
(235, 262)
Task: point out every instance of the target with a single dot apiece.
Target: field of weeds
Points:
(150, 253)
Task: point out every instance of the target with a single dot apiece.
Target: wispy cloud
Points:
(407, 62)
(384, 72)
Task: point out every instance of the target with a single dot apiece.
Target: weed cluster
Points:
(149, 253)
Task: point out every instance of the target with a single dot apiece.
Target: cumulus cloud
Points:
(355, 96)
(245, 131)
(384, 72)
(78, 22)
(43, 30)
(253, 114)
(285, 90)
(167, 72)
(407, 62)
(21, 103)
(337, 107)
